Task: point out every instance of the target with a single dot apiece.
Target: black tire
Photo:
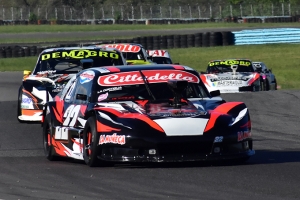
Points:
(263, 85)
(90, 141)
(19, 113)
(47, 139)
(275, 84)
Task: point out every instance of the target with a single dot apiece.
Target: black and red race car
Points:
(144, 113)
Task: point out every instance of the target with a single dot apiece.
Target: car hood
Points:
(196, 117)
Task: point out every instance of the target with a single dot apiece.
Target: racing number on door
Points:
(71, 115)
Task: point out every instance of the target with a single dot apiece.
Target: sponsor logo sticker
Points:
(242, 135)
(113, 139)
(103, 96)
(153, 76)
(87, 77)
(26, 100)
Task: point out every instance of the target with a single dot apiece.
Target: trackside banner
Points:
(153, 76)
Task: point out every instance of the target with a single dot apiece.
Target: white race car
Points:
(231, 76)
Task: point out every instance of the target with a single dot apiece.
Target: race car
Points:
(231, 76)
(160, 56)
(135, 54)
(53, 69)
(268, 79)
(144, 113)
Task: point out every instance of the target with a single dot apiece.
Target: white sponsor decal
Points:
(153, 76)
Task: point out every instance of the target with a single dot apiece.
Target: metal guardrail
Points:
(267, 36)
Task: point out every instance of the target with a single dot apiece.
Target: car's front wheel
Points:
(19, 111)
(90, 141)
(47, 138)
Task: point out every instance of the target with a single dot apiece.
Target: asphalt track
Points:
(272, 174)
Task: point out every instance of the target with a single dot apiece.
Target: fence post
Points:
(122, 12)
(93, 10)
(141, 9)
(151, 12)
(132, 12)
(46, 13)
(38, 12)
(180, 12)
(56, 13)
(210, 11)
(231, 10)
(160, 12)
(199, 12)
(191, 16)
(282, 7)
(21, 13)
(241, 9)
(71, 13)
(102, 13)
(64, 13)
(113, 12)
(170, 9)
(220, 8)
(29, 13)
(12, 14)
(251, 10)
(289, 9)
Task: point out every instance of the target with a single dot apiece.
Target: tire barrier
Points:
(177, 41)
(227, 38)
(205, 39)
(156, 42)
(198, 39)
(163, 42)
(183, 41)
(215, 39)
(149, 42)
(191, 40)
(170, 41)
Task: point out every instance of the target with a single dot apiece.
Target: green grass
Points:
(116, 27)
(283, 59)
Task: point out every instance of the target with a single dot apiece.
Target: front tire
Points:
(90, 143)
(19, 112)
(47, 138)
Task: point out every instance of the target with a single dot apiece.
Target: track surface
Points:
(273, 173)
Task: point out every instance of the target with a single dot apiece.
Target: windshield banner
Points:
(153, 76)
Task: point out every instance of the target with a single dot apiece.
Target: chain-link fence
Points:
(136, 12)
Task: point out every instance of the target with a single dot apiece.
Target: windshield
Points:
(161, 91)
(161, 60)
(70, 61)
(225, 66)
(133, 56)
(147, 84)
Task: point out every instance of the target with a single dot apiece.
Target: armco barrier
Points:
(207, 39)
(267, 36)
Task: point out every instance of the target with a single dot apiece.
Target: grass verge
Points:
(283, 59)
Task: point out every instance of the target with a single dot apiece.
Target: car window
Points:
(68, 61)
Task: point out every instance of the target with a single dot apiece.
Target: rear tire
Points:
(90, 143)
(47, 139)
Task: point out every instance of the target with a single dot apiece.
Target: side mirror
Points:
(82, 97)
(215, 93)
(26, 72)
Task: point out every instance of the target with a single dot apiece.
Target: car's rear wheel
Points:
(47, 138)
(90, 141)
